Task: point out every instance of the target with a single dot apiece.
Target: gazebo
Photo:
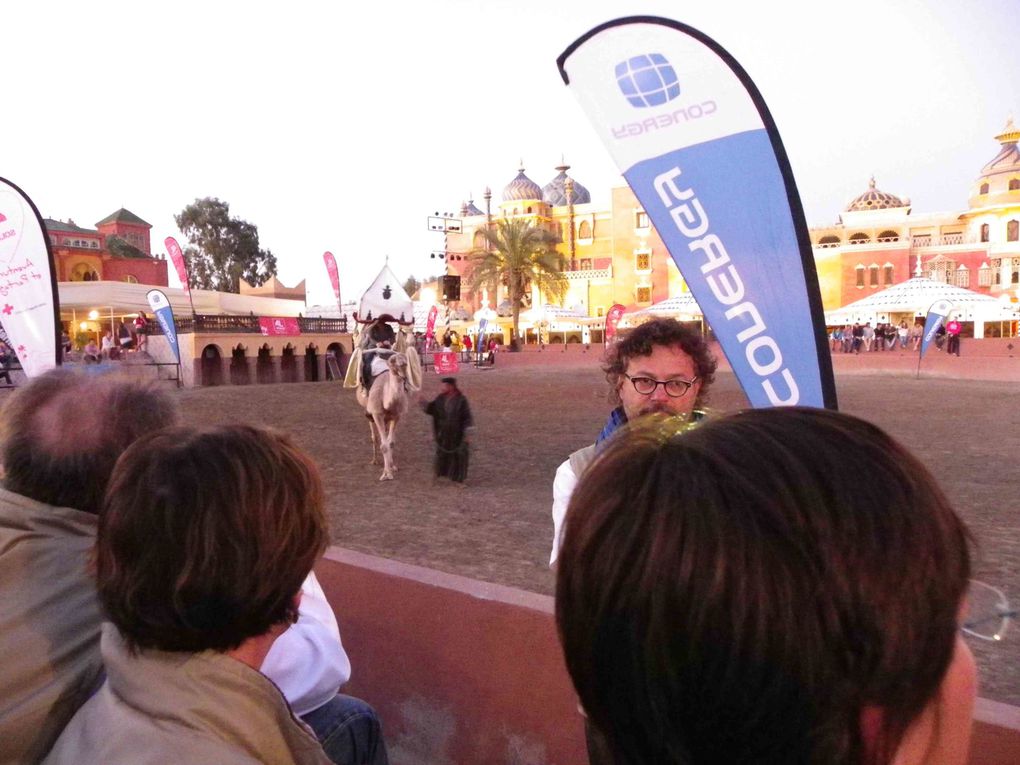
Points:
(682, 307)
(911, 300)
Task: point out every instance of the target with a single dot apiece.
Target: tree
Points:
(519, 255)
(121, 249)
(411, 286)
(223, 250)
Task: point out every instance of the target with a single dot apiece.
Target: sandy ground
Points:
(534, 408)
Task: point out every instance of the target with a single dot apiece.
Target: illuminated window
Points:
(644, 294)
(640, 219)
(643, 262)
(600, 310)
(584, 230)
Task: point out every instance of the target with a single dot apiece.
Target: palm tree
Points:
(519, 255)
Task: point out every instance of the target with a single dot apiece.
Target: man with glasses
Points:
(661, 366)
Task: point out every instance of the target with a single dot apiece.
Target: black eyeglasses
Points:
(674, 388)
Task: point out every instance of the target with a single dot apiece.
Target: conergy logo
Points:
(647, 80)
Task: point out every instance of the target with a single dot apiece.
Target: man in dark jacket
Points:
(451, 419)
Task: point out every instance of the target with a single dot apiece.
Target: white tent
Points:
(914, 297)
(126, 298)
(682, 307)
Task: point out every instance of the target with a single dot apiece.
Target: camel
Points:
(384, 404)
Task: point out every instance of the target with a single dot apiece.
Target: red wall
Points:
(146, 271)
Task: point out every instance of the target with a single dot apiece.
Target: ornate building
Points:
(82, 254)
(612, 255)
(879, 241)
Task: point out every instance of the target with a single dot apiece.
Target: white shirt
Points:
(308, 662)
(563, 488)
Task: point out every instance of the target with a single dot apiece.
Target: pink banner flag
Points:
(29, 302)
(430, 323)
(177, 257)
(612, 319)
(334, 276)
(276, 325)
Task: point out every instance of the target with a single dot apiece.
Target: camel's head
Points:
(398, 364)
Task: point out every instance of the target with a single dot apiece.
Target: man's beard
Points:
(656, 407)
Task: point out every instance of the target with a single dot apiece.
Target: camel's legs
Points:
(392, 439)
(372, 431)
(384, 440)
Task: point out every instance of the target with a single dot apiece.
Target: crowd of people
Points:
(727, 589)
(887, 336)
(128, 337)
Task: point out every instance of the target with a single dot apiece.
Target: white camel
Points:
(384, 404)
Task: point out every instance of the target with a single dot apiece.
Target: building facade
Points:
(613, 255)
(83, 254)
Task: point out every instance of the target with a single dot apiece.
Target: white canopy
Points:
(386, 296)
(682, 307)
(915, 297)
(124, 297)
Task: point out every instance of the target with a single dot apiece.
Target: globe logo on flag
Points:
(647, 80)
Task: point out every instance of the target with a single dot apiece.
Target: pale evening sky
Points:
(341, 128)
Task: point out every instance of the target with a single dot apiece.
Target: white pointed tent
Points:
(682, 307)
(914, 297)
(385, 297)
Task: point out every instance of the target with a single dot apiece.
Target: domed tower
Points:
(522, 196)
(555, 192)
(874, 199)
(999, 182)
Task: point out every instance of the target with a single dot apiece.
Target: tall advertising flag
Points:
(612, 319)
(29, 303)
(937, 315)
(180, 264)
(334, 276)
(430, 323)
(695, 141)
(483, 327)
(165, 316)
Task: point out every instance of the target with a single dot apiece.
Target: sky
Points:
(341, 128)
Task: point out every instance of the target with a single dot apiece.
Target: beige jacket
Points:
(49, 623)
(175, 708)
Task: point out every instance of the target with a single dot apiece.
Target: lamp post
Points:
(445, 224)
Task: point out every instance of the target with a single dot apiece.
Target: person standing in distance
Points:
(659, 367)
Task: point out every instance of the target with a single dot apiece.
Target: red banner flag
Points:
(612, 319)
(178, 260)
(275, 325)
(447, 363)
(430, 323)
(334, 276)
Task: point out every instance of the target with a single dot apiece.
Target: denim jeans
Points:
(349, 731)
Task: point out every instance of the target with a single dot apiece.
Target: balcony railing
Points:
(225, 324)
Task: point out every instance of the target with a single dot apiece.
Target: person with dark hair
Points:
(62, 434)
(660, 366)
(734, 593)
(451, 420)
(238, 515)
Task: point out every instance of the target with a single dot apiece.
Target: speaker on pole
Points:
(451, 287)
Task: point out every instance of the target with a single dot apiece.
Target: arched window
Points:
(962, 276)
(528, 211)
(829, 241)
(984, 232)
(873, 274)
(83, 272)
(130, 279)
(1014, 184)
(479, 240)
(888, 236)
(584, 230)
(1013, 231)
(888, 273)
(983, 189)
(859, 238)
(860, 274)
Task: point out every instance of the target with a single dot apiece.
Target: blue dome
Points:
(468, 209)
(521, 188)
(555, 192)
